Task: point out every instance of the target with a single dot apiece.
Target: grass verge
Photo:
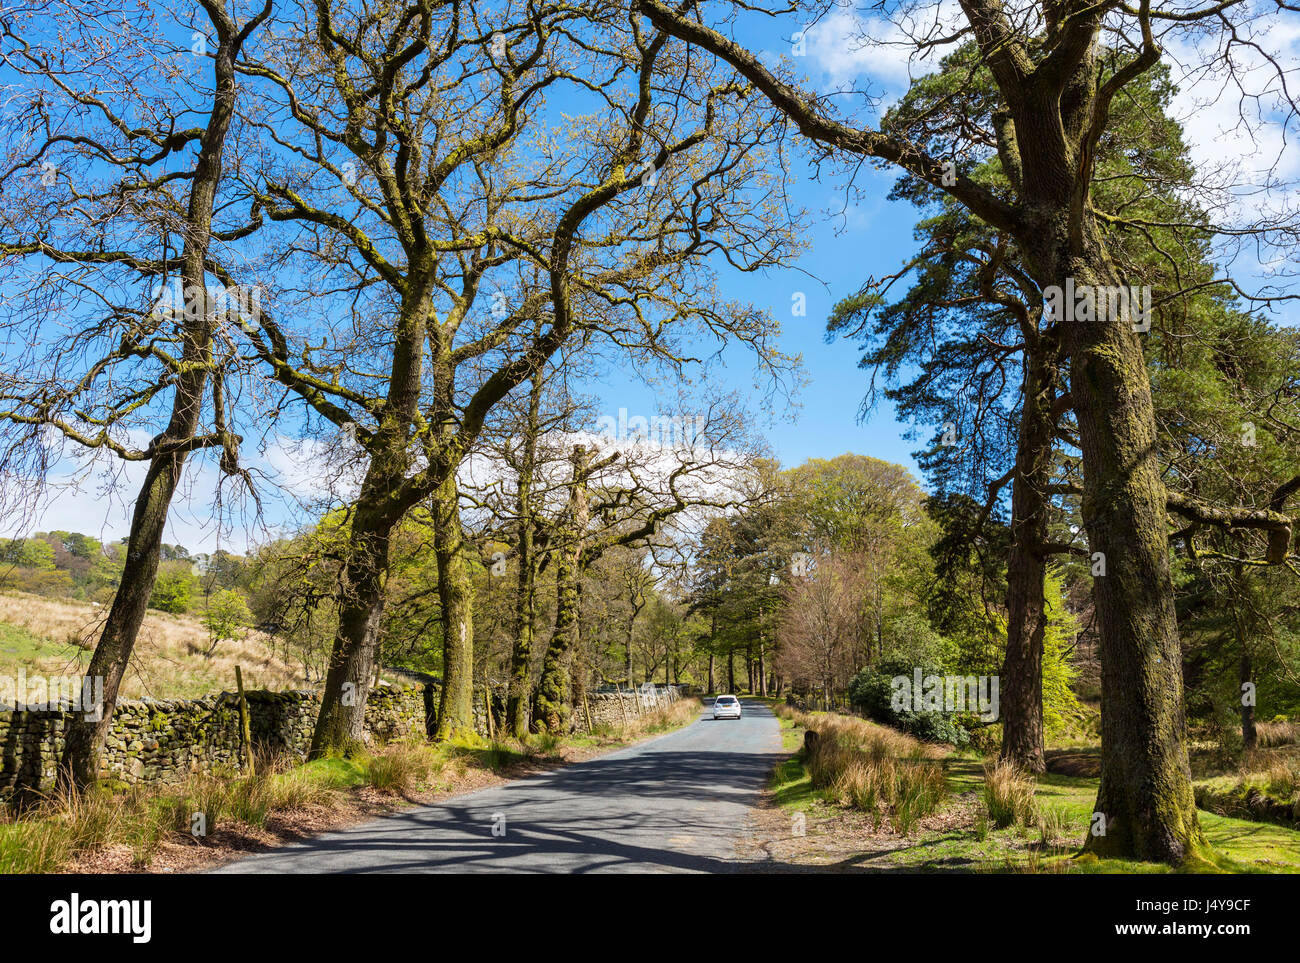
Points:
(212, 816)
(991, 819)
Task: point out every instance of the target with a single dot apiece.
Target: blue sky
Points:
(824, 421)
(847, 242)
(845, 245)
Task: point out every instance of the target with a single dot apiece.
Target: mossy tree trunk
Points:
(456, 592)
(84, 737)
(1146, 789)
(381, 504)
(1246, 668)
(340, 724)
(581, 667)
(521, 654)
(553, 690)
(1145, 801)
(629, 668)
(1249, 734)
(1057, 99)
(85, 734)
(552, 711)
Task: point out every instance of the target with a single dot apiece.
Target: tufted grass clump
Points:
(33, 846)
(1283, 779)
(51, 834)
(1279, 732)
(1008, 795)
(405, 766)
(547, 744)
(1055, 826)
(51, 830)
(664, 718)
(920, 787)
(873, 769)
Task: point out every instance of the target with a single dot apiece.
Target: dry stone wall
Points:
(610, 710)
(164, 740)
(157, 740)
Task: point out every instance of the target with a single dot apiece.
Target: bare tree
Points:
(124, 206)
(824, 625)
(629, 493)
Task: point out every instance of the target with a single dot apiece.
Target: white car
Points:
(726, 707)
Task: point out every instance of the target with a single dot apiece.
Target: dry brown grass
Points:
(879, 740)
(148, 826)
(169, 661)
(1009, 795)
(62, 831)
(1283, 779)
(404, 765)
(872, 768)
(1271, 734)
(664, 717)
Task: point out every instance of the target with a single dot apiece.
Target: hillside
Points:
(56, 637)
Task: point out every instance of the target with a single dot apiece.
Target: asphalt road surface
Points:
(674, 804)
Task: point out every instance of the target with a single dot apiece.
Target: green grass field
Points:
(20, 646)
(1065, 807)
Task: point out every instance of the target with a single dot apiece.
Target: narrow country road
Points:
(674, 804)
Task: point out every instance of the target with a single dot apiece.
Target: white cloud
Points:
(845, 46)
(1225, 121)
(1238, 126)
(311, 469)
(98, 498)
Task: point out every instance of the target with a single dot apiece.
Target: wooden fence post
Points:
(245, 725)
